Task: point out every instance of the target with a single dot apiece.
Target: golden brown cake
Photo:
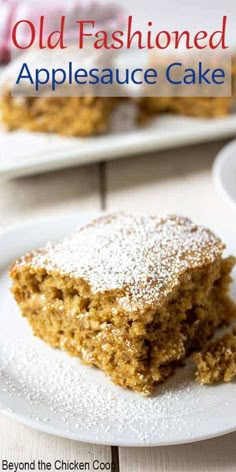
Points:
(205, 107)
(197, 106)
(68, 116)
(218, 361)
(129, 293)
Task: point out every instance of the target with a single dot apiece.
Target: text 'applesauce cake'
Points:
(130, 294)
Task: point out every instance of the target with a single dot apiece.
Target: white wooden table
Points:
(174, 181)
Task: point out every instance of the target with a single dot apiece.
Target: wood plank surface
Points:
(214, 455)
(178, 181)
(20, 443)
(54, 193)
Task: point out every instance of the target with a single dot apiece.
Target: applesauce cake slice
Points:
(202, 107)
(131, 294)
(66, 116)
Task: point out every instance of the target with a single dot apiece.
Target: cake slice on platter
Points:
(131, 294)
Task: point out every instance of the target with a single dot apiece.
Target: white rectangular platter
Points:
(25, 153)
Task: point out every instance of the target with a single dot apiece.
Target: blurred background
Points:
(159, 175)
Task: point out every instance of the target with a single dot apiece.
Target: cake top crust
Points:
(141, 256)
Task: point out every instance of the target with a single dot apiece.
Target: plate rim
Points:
(218, 166)
(41, 427)
(120, 145)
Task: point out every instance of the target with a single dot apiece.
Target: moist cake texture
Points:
(218, 361)
(129, 294)
(68, 116)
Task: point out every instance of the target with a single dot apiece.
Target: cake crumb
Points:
(218, 361)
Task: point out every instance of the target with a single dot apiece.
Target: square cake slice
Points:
(205, 107)
(131, 294)
(66, 116)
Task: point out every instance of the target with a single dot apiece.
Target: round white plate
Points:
(224, 173)
(52, 392)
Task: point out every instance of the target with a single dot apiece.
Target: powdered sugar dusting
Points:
(57, 394)
(60, 395)
(142, 256)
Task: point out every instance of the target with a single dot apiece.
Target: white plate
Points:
(224, 173)
(23, 153)
(52, 392)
